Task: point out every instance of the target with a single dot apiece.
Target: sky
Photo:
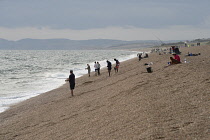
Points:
(105, 19)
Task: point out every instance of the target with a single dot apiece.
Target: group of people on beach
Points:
(97, 67)
(174, 50)
(140, 56)
(173, 60)
(109, 66)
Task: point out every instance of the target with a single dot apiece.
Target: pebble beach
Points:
(170, 103)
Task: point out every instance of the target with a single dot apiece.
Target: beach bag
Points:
(149, 69)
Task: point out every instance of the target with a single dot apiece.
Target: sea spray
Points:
(25, 74)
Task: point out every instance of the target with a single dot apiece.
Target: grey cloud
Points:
(85, 14)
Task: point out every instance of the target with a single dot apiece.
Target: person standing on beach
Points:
(96, 68)
(99, 66)
(109, 66)
(88, 68)
(140, 56)
(71, 80)
(117, 65)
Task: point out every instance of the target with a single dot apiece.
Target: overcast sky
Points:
(105, 19)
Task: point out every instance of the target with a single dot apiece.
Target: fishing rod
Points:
(162, 43)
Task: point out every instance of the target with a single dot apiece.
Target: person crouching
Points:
(176, 59)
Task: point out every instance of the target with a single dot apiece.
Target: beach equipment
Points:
(149, 68)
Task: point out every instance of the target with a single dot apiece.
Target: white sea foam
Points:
(25, 74)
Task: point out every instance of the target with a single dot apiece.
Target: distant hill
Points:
(66, 44)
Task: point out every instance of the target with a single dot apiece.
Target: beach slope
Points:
(172, 102)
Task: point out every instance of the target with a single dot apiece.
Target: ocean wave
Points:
(14, 78)
(47, 70)
(77, 63)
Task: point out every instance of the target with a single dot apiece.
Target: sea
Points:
(28, 73)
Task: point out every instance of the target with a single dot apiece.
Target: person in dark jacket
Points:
(71, 80)
(99, 67)
(140, 56)
(109, 66)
